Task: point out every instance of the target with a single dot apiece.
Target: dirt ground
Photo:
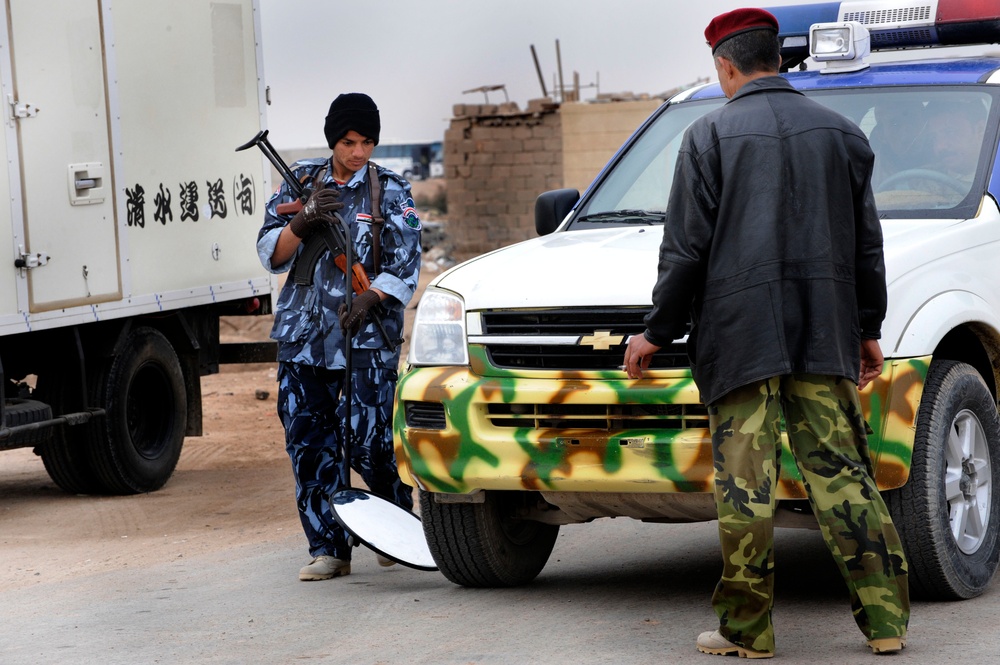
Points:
(232, 486)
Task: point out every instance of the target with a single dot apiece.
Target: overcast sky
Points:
(416, 57)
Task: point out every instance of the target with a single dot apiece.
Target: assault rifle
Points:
(337, 236)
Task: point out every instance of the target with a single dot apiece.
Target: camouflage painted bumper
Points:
(598, 432)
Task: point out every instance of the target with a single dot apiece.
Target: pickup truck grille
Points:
(607, 417)
(575, 342)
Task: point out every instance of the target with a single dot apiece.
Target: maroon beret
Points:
(736, 22)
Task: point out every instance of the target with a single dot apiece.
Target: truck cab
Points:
(514, 416)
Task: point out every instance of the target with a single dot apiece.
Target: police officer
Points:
(772, 240)
(312, 324)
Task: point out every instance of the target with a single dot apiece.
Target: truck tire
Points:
(486, 544)
(68, 463)
(18, 412)
(66, 455)
(135, 447)
(948, 511)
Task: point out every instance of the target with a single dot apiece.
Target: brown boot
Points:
(711, 642)
(324, 567)
(887, 644)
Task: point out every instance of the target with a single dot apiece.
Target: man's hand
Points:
(315, 212)
(350, 319)
(871, 362)
(638, 355)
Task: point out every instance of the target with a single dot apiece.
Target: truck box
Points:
(131, 225)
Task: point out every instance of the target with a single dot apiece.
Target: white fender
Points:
(937, 317)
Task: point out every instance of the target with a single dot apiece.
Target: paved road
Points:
(615, 591)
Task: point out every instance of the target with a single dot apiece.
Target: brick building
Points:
(499, 158)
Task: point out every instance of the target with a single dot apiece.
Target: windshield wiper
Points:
(629, 216)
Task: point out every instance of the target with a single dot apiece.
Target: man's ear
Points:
(724, 65)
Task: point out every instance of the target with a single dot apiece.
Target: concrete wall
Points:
(593, 132)
(498, 159)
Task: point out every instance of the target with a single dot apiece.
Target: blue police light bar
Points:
(892, 24)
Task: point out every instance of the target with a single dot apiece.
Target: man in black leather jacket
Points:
(773, 243)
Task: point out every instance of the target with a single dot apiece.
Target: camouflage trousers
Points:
(826, 433)
(312, 408)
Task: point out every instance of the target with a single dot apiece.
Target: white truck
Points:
(514, 418)
(130, 226)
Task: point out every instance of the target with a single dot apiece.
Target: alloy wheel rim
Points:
(968, 481)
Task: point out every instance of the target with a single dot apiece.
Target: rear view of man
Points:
(773, 242)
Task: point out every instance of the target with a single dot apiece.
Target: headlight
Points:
(439, 330)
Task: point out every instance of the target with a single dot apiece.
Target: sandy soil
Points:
(232, 486)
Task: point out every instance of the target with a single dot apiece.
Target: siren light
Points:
(842, 46)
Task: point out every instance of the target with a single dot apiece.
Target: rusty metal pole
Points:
(538, 70)
(562, 88)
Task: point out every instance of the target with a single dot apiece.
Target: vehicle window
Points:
(640, 181)
(932, 146)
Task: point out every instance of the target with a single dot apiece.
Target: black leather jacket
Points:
(772, 243)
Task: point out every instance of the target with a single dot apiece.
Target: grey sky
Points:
(415, 57)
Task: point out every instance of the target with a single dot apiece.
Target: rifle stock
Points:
(289, 208)
(359, 278)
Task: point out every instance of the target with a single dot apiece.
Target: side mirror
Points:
(552, 207)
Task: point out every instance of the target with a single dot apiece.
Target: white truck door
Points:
(60, 110)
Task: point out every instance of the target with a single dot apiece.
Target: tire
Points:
(18, 412)
(486, 544)
(66, 455)
(948, 511)
(135, 447)
(68, 464)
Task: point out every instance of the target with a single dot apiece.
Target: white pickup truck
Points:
(514, 418)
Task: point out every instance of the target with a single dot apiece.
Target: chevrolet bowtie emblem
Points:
(601, 340)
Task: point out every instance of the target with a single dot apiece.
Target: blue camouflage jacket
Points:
(306, 324)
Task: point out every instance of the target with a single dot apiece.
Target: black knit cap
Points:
(352, 110)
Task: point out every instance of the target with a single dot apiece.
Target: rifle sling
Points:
(375, 187)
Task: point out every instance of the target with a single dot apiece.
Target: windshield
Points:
(931, 144)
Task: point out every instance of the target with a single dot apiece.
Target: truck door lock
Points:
(27, 261)
(21, 109)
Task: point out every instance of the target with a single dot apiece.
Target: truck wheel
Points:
(135, 447)
(947, 513)
(18, 412)
(68, 464)
(66, 454)
(486, 544)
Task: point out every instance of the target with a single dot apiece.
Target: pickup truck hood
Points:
(617, 266)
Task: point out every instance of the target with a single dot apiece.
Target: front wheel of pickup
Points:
(947, 513)
(486, 544)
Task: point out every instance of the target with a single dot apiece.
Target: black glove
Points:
(315, 212)
(351, 319)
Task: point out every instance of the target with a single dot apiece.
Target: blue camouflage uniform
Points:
(311, 354)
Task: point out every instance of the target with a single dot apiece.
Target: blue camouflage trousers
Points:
(826, 435)
(312, 408)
